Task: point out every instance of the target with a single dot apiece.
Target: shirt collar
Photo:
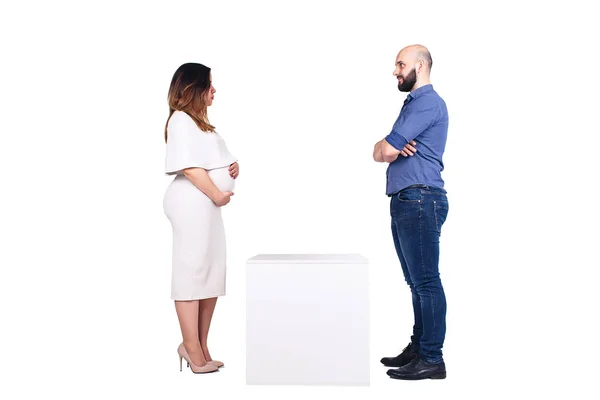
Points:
(423, 89)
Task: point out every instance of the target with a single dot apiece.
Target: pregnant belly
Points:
(221, 178)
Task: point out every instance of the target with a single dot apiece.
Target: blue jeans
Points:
(418, 213)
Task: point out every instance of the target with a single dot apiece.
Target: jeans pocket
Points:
(440, 211)
(410, 196)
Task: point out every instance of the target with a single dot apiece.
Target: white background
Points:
(304, 90)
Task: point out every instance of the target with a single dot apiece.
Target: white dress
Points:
(199, 259)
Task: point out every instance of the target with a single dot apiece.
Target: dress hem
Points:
(196, 297)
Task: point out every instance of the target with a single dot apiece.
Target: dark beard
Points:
(409, 82)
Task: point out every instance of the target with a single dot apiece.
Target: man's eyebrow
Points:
(399, 62)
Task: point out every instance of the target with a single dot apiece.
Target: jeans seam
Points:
(423, 269)
(426, 276)
(435, 216)
(430, 293)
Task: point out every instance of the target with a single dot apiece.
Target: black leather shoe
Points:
(408, 354)
(419, 369)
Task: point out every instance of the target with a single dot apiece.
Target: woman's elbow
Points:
(188, 172)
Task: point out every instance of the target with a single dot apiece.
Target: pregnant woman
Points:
(204, 173)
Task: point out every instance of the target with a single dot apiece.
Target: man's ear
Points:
(420, 65)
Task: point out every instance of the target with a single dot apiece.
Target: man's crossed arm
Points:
(408, 126)
(385, 152)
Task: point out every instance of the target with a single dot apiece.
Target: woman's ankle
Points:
(192, 347)
(205, 351)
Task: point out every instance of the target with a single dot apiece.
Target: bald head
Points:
(413, 66)
(417, 53)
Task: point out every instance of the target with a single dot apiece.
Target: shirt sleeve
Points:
(411, 124)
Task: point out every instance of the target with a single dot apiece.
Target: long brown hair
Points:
(187, 92)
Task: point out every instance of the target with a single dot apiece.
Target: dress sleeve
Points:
(187, 145)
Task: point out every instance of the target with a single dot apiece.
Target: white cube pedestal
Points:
(307, 319)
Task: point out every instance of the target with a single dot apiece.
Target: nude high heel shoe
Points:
(195, 369)
(213, 362)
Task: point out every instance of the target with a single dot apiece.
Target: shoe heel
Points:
(441, 375)
(180, 363)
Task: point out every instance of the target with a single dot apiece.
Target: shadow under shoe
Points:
(408, 354)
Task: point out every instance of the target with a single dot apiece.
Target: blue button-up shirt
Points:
(424, 119)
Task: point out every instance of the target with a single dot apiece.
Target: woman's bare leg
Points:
(187, 313)
(205, 313)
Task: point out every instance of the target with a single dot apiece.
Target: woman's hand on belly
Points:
(223, 199)
(234, 170)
